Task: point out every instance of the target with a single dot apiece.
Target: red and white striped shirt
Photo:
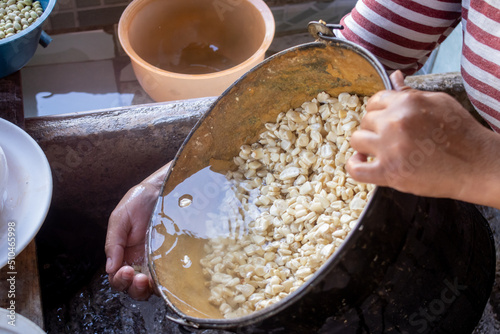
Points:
(403, 33)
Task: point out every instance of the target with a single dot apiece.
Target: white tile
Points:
(336, 10)
(294, 10)
(127, 74)
(281, 43)
(75, 47)
(295, 17)
(67, 88)
(133, 94)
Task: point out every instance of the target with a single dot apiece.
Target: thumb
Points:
(116, 240)
(398, 81)
(114, 257)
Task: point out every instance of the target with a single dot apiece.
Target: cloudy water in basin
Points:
(204, 206)
(195, 58)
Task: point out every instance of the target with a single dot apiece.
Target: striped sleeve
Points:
(401, 33)
(481, 57)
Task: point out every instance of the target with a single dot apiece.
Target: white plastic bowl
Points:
(28, 188)
(22, 325)
(4, 176)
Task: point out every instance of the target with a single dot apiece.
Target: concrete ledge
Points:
(96, 157)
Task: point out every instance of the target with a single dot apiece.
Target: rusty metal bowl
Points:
(412, 264)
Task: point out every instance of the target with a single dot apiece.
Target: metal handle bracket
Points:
(321, 30)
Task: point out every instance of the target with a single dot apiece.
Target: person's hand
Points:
(427, 144)
(126, 236)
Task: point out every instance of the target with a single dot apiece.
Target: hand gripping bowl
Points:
(410, 265)
(17, 50)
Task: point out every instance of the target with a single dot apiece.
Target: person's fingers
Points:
(363, 171)
(114, 258)
(369, 121)
(114, 249)
(398, 81)
(380, 100)
(139, 204)
(365, 142)
(140, 288)
(116, 241)
(123, 278)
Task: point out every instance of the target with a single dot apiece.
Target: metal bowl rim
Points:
(267, 312)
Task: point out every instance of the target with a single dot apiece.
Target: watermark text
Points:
(11, 274)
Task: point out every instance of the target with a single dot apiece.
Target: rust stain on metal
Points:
(280, 83)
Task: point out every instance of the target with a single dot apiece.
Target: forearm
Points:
(482, 185)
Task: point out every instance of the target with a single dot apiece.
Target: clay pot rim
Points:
(137, 5)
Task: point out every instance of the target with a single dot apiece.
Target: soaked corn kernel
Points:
(300, 205)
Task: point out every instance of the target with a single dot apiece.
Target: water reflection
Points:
(204, 206)
(47, 103)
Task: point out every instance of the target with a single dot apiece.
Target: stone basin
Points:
(95, 158)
